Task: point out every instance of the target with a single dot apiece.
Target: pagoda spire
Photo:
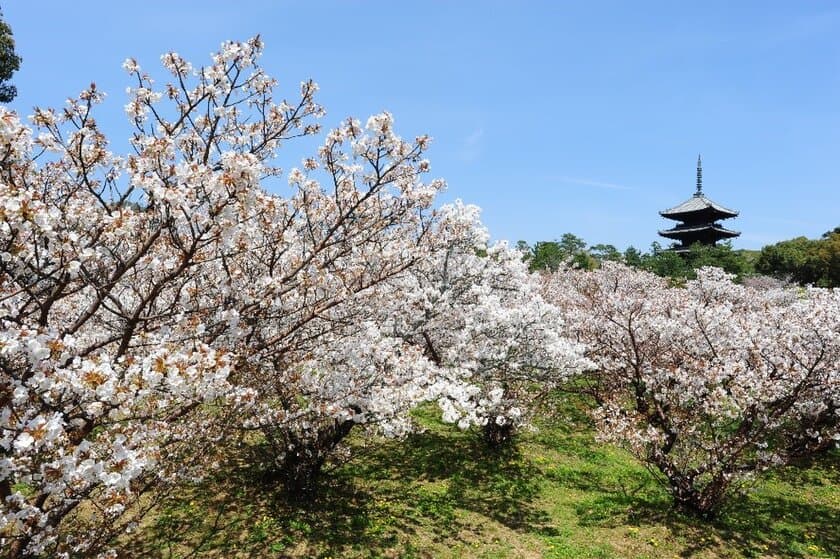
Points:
(699, 177)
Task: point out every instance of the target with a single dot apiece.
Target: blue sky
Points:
(554, 117)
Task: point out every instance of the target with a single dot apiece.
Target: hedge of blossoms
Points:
(709, 383)
(155, 304)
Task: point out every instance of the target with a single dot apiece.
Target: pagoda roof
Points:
(697, 204)
(680, 230)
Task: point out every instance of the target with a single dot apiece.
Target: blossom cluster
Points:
(709, 382)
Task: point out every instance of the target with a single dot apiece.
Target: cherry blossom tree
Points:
(710, 383)
(477, 313)
(114, 342)
(308, 294)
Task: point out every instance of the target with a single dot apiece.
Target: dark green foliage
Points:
(792, 259)
(720, 256)
(670, 264)
(665, 263)
(632, 257)
(835, 231)
(9, 62)
(805, 261)
(550, 255)
(546, 255)
(801, 260)
(602, 252)
(572, 244)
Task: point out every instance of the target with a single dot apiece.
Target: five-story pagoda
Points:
(699, 219)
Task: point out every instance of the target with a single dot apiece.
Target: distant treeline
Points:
(800, 260)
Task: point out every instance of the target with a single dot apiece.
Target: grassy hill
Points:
(559, 495)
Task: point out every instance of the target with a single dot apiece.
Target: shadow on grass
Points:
(787, 514)
(404, 498)
(455, 470)
(782, 526)
(784, 516)
(777, 518)
(372, 507)
(232, 516)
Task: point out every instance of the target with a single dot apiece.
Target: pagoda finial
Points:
(699, 177)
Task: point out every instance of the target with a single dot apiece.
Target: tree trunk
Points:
(299, 475)
(703, 503)
(497, 436)
(300, 468)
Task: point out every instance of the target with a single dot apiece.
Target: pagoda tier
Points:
(698, 216)
(705, 234)
(699, 208)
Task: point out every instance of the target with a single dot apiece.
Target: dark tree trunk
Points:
(497, 436)
(299, 475)
(702, 502)
(300, 468)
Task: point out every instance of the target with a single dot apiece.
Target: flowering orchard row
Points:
(709, 383)
(161, 305)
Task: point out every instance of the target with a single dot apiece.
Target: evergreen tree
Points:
(633, 257)
(9, 62)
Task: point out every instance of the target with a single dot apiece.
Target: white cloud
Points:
(593, 183)
(472, 145)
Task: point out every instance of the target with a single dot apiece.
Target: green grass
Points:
(557, 495)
